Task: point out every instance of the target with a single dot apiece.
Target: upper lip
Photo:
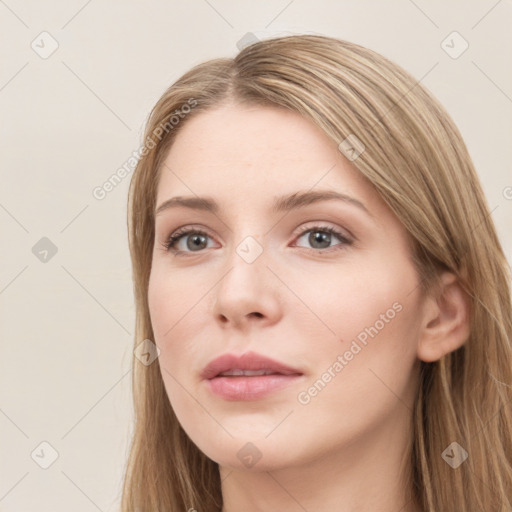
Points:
(247, 361)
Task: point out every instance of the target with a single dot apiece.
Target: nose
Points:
(248, 294)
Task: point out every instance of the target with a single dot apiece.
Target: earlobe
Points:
(445, 324)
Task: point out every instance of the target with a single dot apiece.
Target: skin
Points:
(346, 449)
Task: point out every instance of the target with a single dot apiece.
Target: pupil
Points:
(197, 240)
(320, 237)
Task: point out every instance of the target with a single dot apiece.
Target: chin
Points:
(249, 452)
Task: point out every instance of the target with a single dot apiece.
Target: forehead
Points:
(244, 153)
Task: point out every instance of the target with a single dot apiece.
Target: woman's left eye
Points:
(320, 237)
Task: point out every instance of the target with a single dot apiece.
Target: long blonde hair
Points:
(416, 159)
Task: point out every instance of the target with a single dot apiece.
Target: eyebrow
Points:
(286, 203)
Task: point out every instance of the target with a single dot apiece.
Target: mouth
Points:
(250, 376)
(247, 373)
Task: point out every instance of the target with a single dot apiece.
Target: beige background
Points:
(70, 120)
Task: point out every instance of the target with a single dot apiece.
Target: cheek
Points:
(167, 301)
(171, 298)
(168, 304)
(348, 298)
(177, 310)
(374, 312)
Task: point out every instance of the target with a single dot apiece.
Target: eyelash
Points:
(171, 241)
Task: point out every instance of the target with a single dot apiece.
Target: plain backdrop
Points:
(77, 81)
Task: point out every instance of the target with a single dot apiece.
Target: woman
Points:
(341, 338)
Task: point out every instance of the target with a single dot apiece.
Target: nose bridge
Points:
(250, 249)
(247, 241)
(247, 262)
(246, 287)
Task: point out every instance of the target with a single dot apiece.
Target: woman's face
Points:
(266, 278)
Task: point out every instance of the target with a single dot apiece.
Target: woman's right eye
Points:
(192, 242)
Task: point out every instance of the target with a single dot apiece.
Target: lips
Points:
(248, 364)
(248, 377)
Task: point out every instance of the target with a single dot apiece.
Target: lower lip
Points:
(250, 388)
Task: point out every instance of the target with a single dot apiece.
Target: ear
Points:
(445, 324)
